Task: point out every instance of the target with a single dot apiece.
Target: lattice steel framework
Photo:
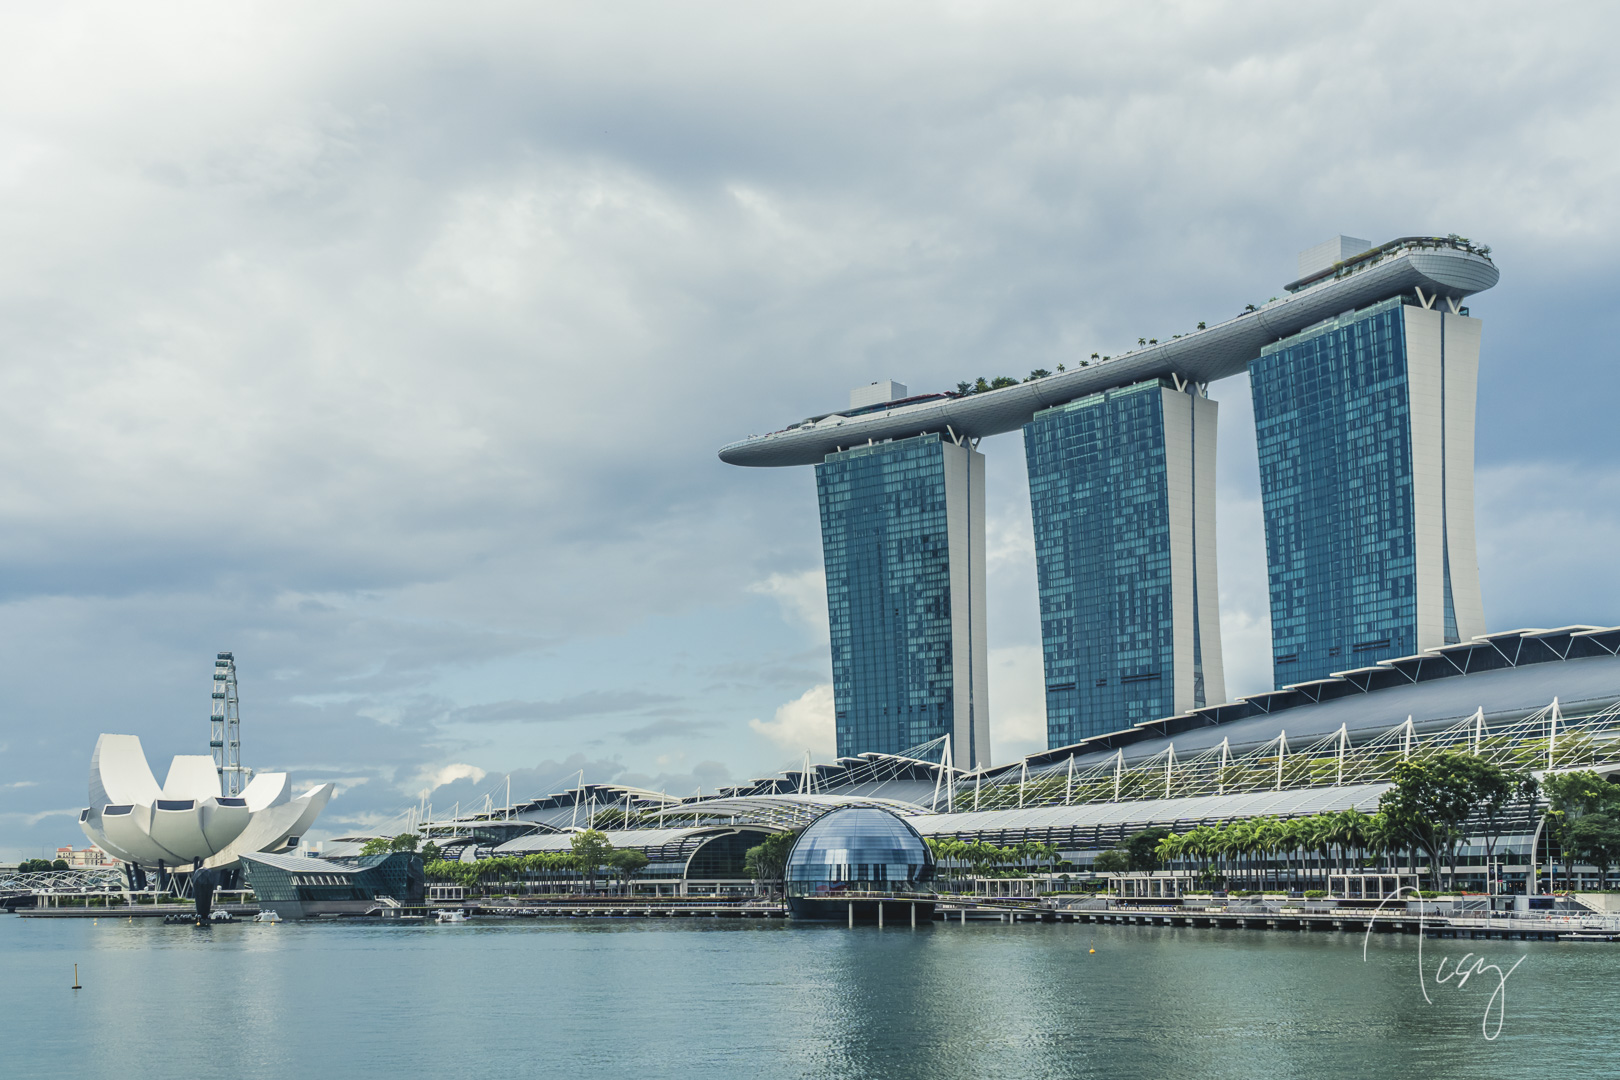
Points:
(97, 879)
(1544, 741)
(225, 727)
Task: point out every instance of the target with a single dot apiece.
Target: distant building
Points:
(902, 533)
(186, 819)
(297, 888)
(1365, 426)
(1362, 374)
(85, 857)
(1122, 493)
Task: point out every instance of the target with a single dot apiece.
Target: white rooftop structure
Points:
(1444, 268)
(878, 393)
(1324, 255)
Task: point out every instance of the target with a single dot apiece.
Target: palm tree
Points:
(1169, 850)
(1273, 839)
(1319, 830)
(1236, 839)
(1290, 842)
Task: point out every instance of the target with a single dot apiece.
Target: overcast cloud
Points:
(390, 346)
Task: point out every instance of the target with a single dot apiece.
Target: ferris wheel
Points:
(225, 735)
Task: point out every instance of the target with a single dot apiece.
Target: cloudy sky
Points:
(390, 345)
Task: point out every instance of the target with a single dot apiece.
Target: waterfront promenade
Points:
(1247, 915)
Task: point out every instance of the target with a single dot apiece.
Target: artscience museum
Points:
(186, 822)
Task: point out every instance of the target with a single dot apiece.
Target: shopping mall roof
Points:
(787, 811)
(1508, 675)
(1107, 822)
(659, 845)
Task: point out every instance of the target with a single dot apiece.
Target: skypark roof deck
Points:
(1446, 270)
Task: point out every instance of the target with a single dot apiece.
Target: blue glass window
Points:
(1099, 501)
(857, 847)
(885, 544)
(1332, 422)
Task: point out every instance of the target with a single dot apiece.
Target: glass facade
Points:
(902, 539)
(1341, 450)
(1115, 490)
(297, 886)
(858, 849)
(725, 856)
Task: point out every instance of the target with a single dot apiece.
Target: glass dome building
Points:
(860, 863)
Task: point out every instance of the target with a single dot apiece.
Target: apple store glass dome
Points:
(858, 849)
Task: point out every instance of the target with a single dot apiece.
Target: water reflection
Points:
(728, 999)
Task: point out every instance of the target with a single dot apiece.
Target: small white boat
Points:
(450, 916)
(267, 916)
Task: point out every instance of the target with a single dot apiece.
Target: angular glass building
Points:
(1122, 493)
(902, 532)
(297, 887)
(1365, 426)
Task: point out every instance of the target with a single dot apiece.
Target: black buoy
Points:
(76, 985)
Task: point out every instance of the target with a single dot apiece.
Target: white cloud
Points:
(806, 723)
(38, 816)
(1009, 540)
(1547, 534)
(1017, 702)
(452, 355)
(803, 597)
(431, 779)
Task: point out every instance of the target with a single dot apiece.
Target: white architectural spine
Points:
(1189, 460)
(970, 657)
(1205, 414)
(1426, 414)
(1178, 482)
(1462, 380)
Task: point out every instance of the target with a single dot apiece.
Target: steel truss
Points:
(1544, 741)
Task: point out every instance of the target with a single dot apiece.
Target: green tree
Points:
(58, 864)
(440, 870)
(377, 845)
(627, 863)
(767, 862)
(1595, 839)
(1002, 380)
(1143, 848)
(1112, 861)
(430, 852)
(1038, 373)
(591, 850)
(1501, 790)
(1432, 799)
(1572, 796)
(1170, 848)
(403, 842)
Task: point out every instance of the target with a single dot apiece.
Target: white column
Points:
(1462, 377)
(1426, 415)
(970, 656)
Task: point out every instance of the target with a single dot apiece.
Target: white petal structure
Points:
(132, 819)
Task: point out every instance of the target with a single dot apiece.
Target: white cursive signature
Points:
(1461, 971)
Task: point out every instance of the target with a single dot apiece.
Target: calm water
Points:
(728, 999)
